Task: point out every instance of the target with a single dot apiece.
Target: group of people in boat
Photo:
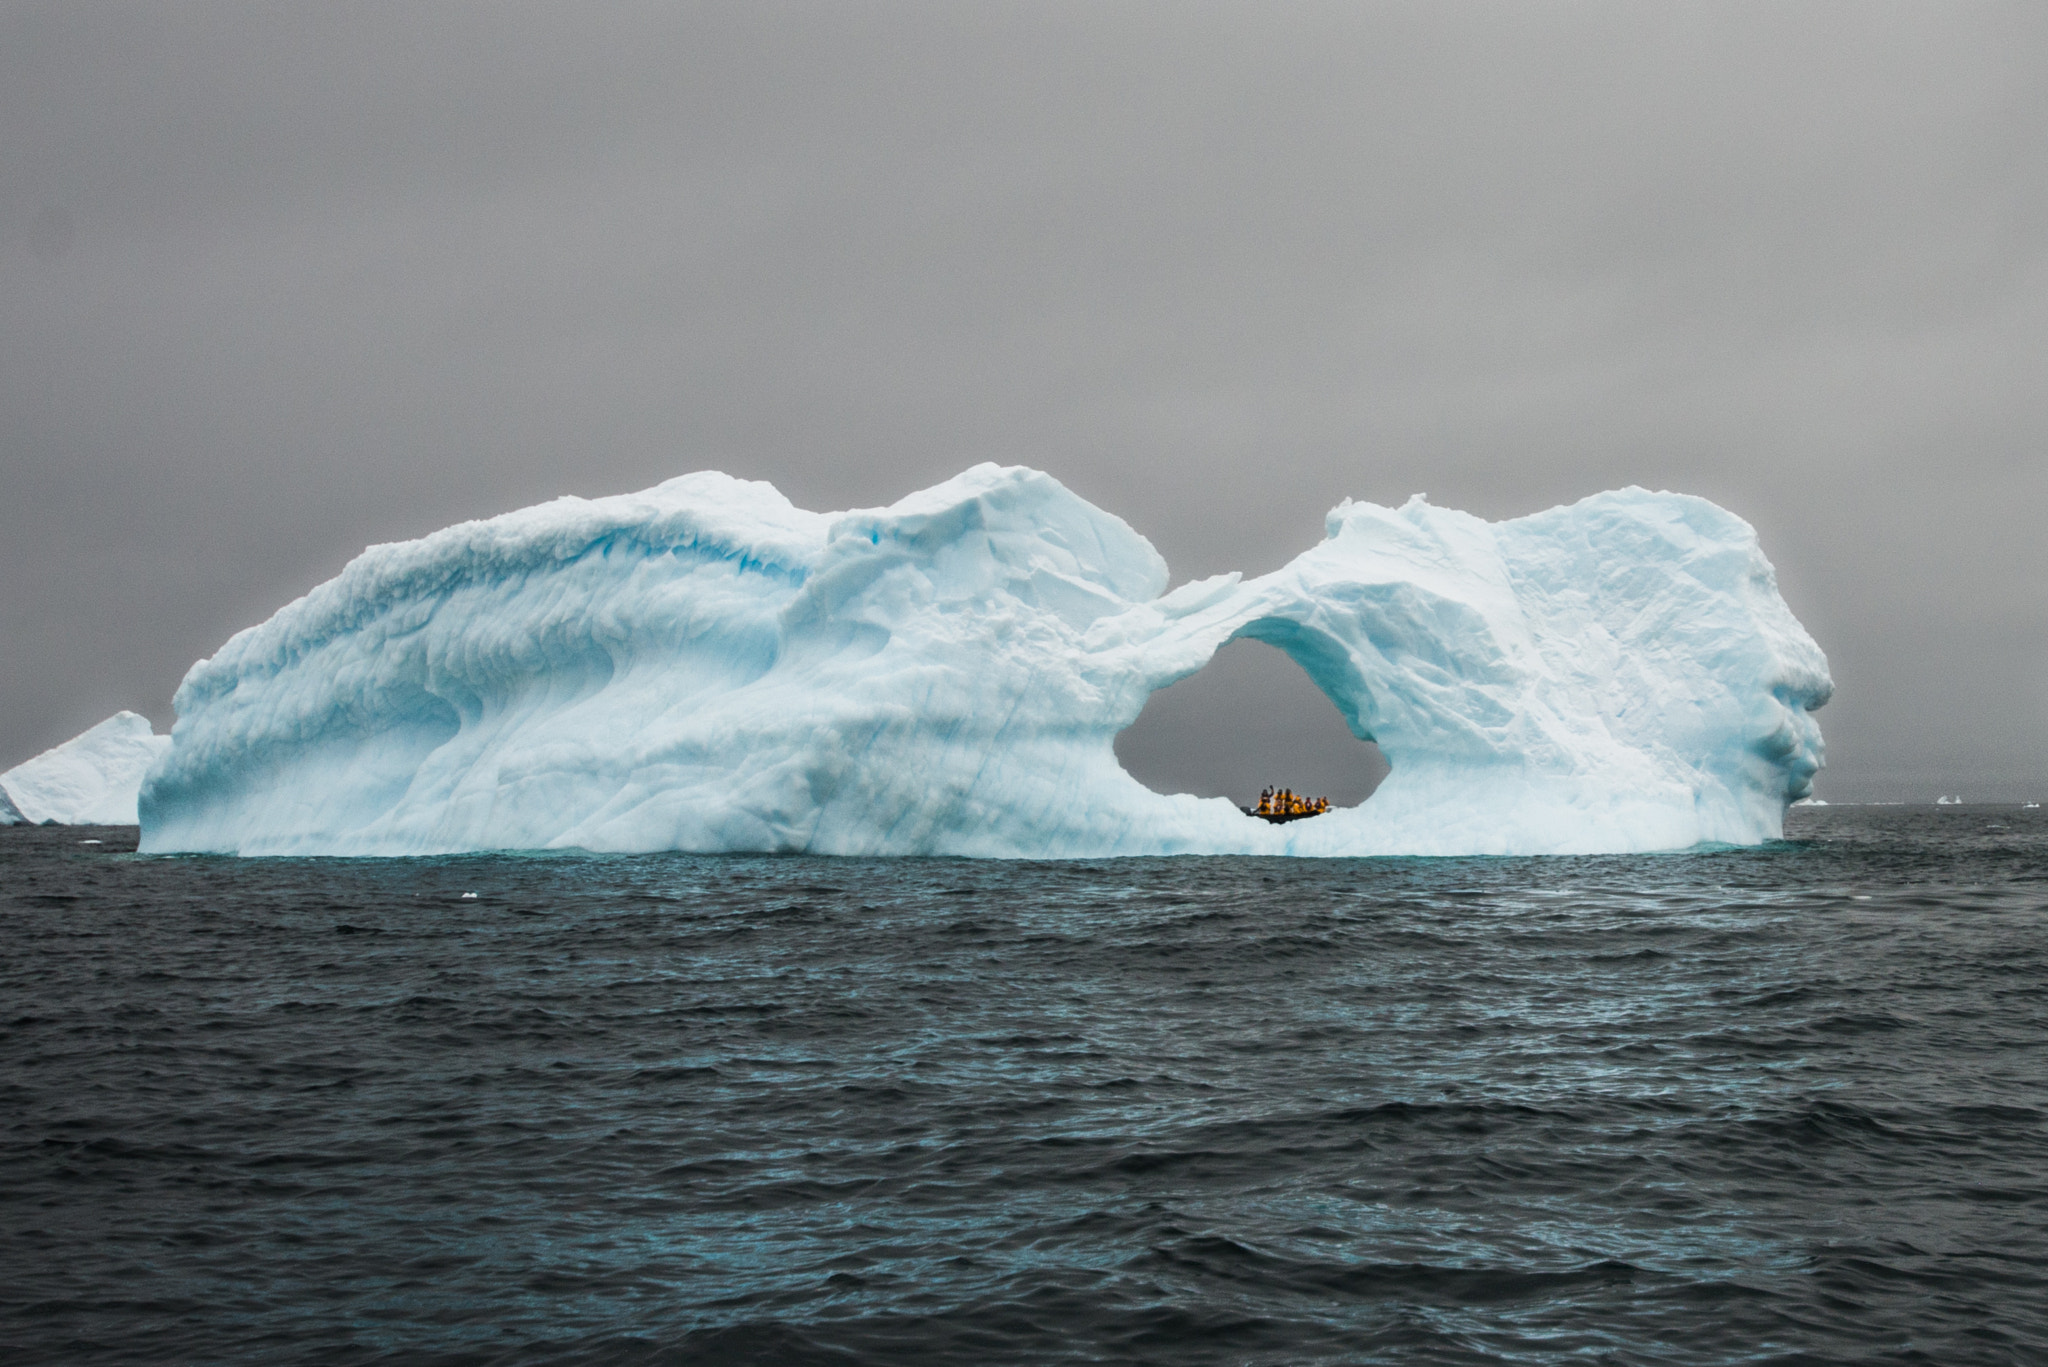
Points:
(1284, 804)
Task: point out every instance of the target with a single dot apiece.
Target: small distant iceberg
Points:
(90, 780)
(706, 667)
(1944, 800)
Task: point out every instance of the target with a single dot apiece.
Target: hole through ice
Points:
(1248, 719)
(704, 666)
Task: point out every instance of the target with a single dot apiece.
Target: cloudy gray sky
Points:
(279, 281)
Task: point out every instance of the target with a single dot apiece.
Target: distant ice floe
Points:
(90, 780)
(704, 666)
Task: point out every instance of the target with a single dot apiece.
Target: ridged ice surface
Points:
(705, 667)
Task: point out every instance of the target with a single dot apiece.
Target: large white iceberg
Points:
(90, 780)
(704, 666)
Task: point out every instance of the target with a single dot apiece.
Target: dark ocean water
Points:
(1780, 1105)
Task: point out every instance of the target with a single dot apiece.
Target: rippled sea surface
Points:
(1779, 1105)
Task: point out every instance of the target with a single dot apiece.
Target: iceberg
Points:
(705, 667)
(90, 780)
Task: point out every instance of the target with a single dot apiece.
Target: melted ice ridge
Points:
(705, 667)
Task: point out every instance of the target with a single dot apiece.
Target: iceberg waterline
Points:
(703, 666)
(90, 780)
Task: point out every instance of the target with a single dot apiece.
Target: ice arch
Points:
(704, 666)
(1324, 659)
(1249, 717)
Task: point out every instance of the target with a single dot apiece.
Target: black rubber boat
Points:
(1280, 818)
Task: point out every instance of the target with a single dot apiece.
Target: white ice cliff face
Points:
(705, 667)
(90, 780)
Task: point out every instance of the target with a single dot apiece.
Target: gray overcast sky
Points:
(277, 281)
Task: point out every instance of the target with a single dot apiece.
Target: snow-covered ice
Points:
(703, 666)
(90, 780)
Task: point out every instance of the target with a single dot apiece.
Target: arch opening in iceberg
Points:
(705, 667)
(1251, 718)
